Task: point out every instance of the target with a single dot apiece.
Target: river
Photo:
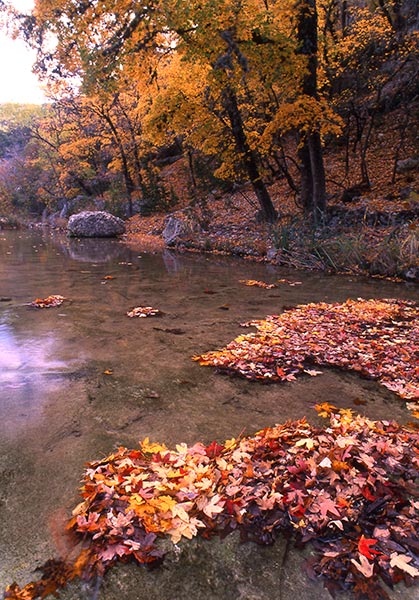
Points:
(81, 379)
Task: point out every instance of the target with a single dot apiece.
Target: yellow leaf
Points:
(308, 442)
(179, 510)
(346, 414)
(152, 447)
(325, 409)
(173, 473)
(230, 444)
(135, 502)
(163, 503)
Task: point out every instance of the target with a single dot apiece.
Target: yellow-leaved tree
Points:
(223, 76)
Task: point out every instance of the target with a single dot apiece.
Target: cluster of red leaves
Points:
(144, 311)
(48, 302)
(350, 489)
(377, 338)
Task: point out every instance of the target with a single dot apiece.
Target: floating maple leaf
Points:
(113, 551)
(288, 282)
(255, 283)
(313, 372)
(325, 409)
(214, 449)
(48, 302)
(144, 311)
(364, 566)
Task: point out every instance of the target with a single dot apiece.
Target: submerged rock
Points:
(95, 224)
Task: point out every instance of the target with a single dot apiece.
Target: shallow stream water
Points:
(79, 380)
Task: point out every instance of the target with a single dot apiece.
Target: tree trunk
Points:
(313, 180)
(344, 17)
(318, 175)
(134, 143)
(306, 180)
(249, 157)
(129, 183)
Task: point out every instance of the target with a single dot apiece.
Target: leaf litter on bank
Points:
(350, 489)
(377, 338)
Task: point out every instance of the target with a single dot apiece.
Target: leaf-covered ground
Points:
(377, 338)
(349, 488)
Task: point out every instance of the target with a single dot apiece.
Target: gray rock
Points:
(95, 224)
(407, 164)
(411, 274)
(272, 253)
(174, 230)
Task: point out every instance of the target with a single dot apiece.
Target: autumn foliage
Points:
(349, 489)
(249, 91)
(377, 338)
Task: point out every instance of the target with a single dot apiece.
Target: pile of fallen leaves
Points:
(350, 489)
(48, 302)
(144, 311)
(377, 338)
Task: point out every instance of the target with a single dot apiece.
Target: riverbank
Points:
(374, 233)
(370, 237)
(375, 240)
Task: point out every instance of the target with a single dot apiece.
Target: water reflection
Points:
(92, 250)
(172, 261)
(27, 365)
(26, 354)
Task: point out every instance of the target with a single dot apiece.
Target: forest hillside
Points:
(286, 130)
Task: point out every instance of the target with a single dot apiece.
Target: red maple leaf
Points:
(213, 449)
(364, 547)
(367, 494)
